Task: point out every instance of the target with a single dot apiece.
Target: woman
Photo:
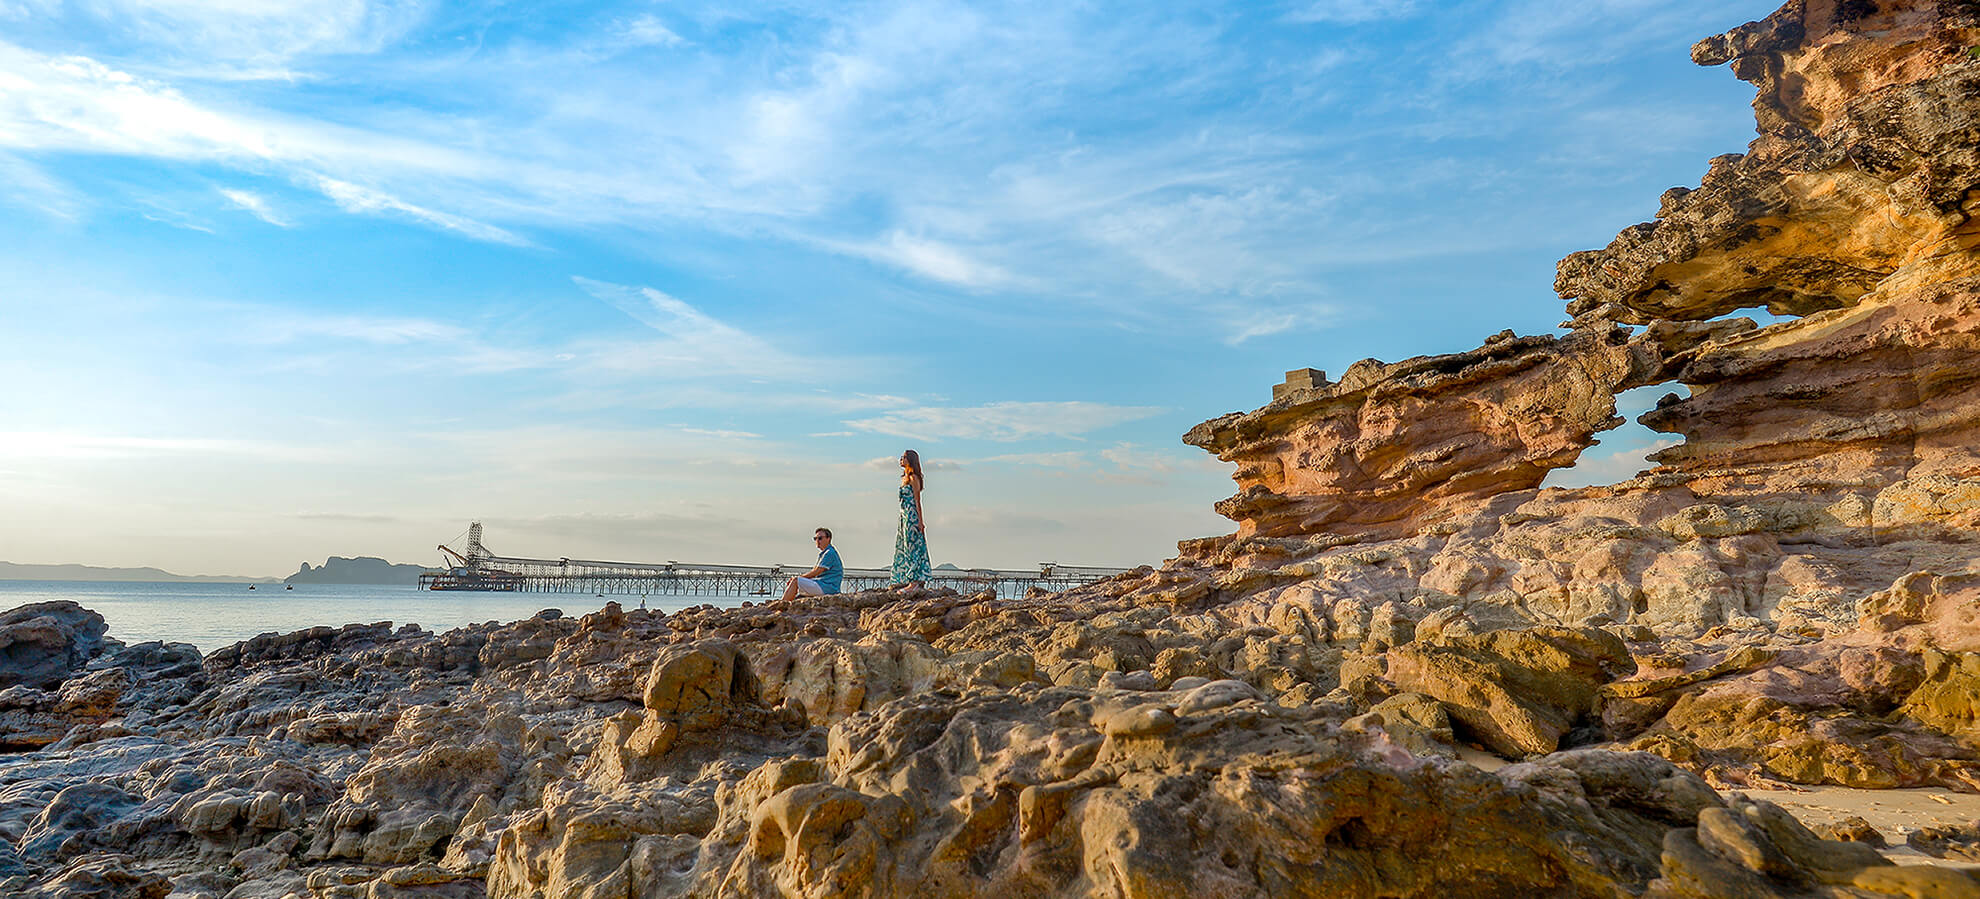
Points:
(911, 543)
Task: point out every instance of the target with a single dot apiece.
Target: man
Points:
(822, 579)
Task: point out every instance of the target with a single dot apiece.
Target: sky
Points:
(654, 281)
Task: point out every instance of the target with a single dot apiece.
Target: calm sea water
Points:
(210, 616)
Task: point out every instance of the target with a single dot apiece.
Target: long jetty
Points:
(478, 569)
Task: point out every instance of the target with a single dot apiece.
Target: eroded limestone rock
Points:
(43, 643)
(1817, 529)
(1517, 692)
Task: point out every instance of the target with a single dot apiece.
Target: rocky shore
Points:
(1791, 596)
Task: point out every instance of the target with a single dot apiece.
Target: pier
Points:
(479, 569)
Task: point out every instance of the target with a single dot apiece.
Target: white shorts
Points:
(808, 587)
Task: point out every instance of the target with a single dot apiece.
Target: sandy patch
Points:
(1480, 759)
(1894, 813)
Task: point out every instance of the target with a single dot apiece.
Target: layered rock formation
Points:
(1855, 421)
(1790, 595)
(1811, 548)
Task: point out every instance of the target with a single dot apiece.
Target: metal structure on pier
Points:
(479, 569)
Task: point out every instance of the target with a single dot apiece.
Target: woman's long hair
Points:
(914, 466)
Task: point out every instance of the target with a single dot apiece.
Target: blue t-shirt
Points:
(829, 560)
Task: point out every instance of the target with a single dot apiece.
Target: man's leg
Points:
(802, 585)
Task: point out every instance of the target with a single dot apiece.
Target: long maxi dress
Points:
(910, 544)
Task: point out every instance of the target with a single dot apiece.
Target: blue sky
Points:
(678, 281)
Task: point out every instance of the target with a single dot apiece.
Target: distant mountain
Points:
(10, 571)
(361, 570)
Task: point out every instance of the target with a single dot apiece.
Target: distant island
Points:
(12, 571)
(361, 570)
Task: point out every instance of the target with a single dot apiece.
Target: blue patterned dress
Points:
(910, 544)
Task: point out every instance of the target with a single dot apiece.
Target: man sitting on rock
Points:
(823, 579)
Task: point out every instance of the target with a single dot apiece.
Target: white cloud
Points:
(819, 112)
(1208, 237)
(1121, 459)
(178, 219)
(355, 198)
(261, 31)
(879, 400)
(255, 204)
(646, 30)
(1003, 422)
(285, 328)
(338, 345)
(936, 261)
(76, 103)
(1556, 35)
(58, 104)
(1128, 455)
(1351, 12)
(696, 343)
(1061, 459)
(722, 433)
(1144, 165)
(1258, 320)
(28, 185)
(752, 161)
(71, 446)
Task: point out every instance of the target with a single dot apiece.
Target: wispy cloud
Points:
(1263, 319)
(1351, 12)
(1121, 459)
(723, 433)
(694, 341)
(1003, 422)
(177, 219)
(245, 31)
(29, 185)
(646, 30)
(276, 326)
(1554, 36)
(1059, 459)
(1153, 168)
(75, 103)
(58, 104)
(356, 198)
(934, 111)
(73, 446)
(255, 204)
(934, 260)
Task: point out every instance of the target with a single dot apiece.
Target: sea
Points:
(211, 616)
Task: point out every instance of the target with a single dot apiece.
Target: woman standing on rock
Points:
(911, 542)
